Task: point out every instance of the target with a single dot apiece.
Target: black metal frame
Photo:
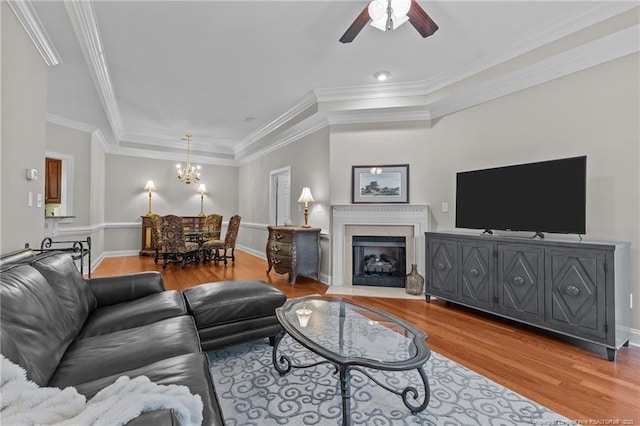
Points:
(77, 248)
(283, 364)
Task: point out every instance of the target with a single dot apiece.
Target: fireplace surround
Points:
(403, 220)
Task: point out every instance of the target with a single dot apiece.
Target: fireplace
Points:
(379, 260)
(410, 221)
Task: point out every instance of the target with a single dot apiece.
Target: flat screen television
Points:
(547, 196)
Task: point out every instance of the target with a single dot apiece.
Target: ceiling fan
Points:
(387, 15)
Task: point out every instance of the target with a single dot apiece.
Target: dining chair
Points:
(212, 227)
(174, 247)
(156, 235)
(219, 249)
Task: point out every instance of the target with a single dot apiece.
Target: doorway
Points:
(63, 205)
(280, 196)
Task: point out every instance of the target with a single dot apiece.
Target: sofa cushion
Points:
(134, 313)
(115, 289)
(191, 370)
(60, 271)
(35, 319)
(100, 356)
(230, 301)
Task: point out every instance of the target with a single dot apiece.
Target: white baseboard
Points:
(251, 251)
(635, 338)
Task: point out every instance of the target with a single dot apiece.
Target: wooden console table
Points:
(191, 223)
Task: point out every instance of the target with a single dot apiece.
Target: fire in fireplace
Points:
(379, 260)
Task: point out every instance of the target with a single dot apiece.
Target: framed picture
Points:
(380, 184)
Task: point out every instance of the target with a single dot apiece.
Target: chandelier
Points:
(189, 173)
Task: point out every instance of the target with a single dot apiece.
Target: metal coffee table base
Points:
(283, 365)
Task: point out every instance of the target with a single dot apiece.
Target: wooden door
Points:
(53, 181)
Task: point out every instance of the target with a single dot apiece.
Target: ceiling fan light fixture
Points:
(382, 75)
(388, 14)
(378, 10)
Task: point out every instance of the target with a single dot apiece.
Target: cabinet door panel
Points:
(520, 282)
(575, 293)
(441, 260)
(477, 273)
(53, 181)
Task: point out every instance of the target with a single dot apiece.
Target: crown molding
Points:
(170, 156)
(372, 91)
(324, 119)
(605, 49)
(307, 101)
(82, 16)
(172, 141)
(96, 133)
(55, 119)
(381, 115)
(28, 18)
(564, 25)
(97, 137)
(306, 127)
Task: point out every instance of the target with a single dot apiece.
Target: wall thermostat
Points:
(32, 174)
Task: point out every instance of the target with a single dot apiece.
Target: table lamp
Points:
(202, 190)
(306, 198)
(150, 186)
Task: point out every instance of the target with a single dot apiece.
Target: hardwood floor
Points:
(571, 378)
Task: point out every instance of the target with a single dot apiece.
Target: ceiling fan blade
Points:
(420, 20)
(361, 21)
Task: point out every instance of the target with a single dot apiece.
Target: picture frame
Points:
(380, 184)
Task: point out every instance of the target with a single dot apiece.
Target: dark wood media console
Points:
(576, 288)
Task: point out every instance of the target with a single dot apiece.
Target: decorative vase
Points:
(415, 282)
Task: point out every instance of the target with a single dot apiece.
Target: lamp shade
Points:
(306, 196)
(150, 186)
(202, 189)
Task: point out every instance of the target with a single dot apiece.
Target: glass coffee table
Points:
(351, 336)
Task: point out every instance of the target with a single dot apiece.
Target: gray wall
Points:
(309, 162)
(593, 112)
(22, 141)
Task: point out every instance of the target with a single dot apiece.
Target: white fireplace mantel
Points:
(343, 215)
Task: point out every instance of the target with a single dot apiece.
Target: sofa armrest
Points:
(120, 288)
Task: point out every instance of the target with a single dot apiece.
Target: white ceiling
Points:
(230, 72)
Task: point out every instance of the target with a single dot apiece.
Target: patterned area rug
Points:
(251, 392)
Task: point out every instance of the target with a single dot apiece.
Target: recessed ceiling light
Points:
(382, 75)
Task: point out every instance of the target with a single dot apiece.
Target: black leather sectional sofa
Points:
(68, 331)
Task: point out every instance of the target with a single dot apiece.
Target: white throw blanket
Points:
(25, 403)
